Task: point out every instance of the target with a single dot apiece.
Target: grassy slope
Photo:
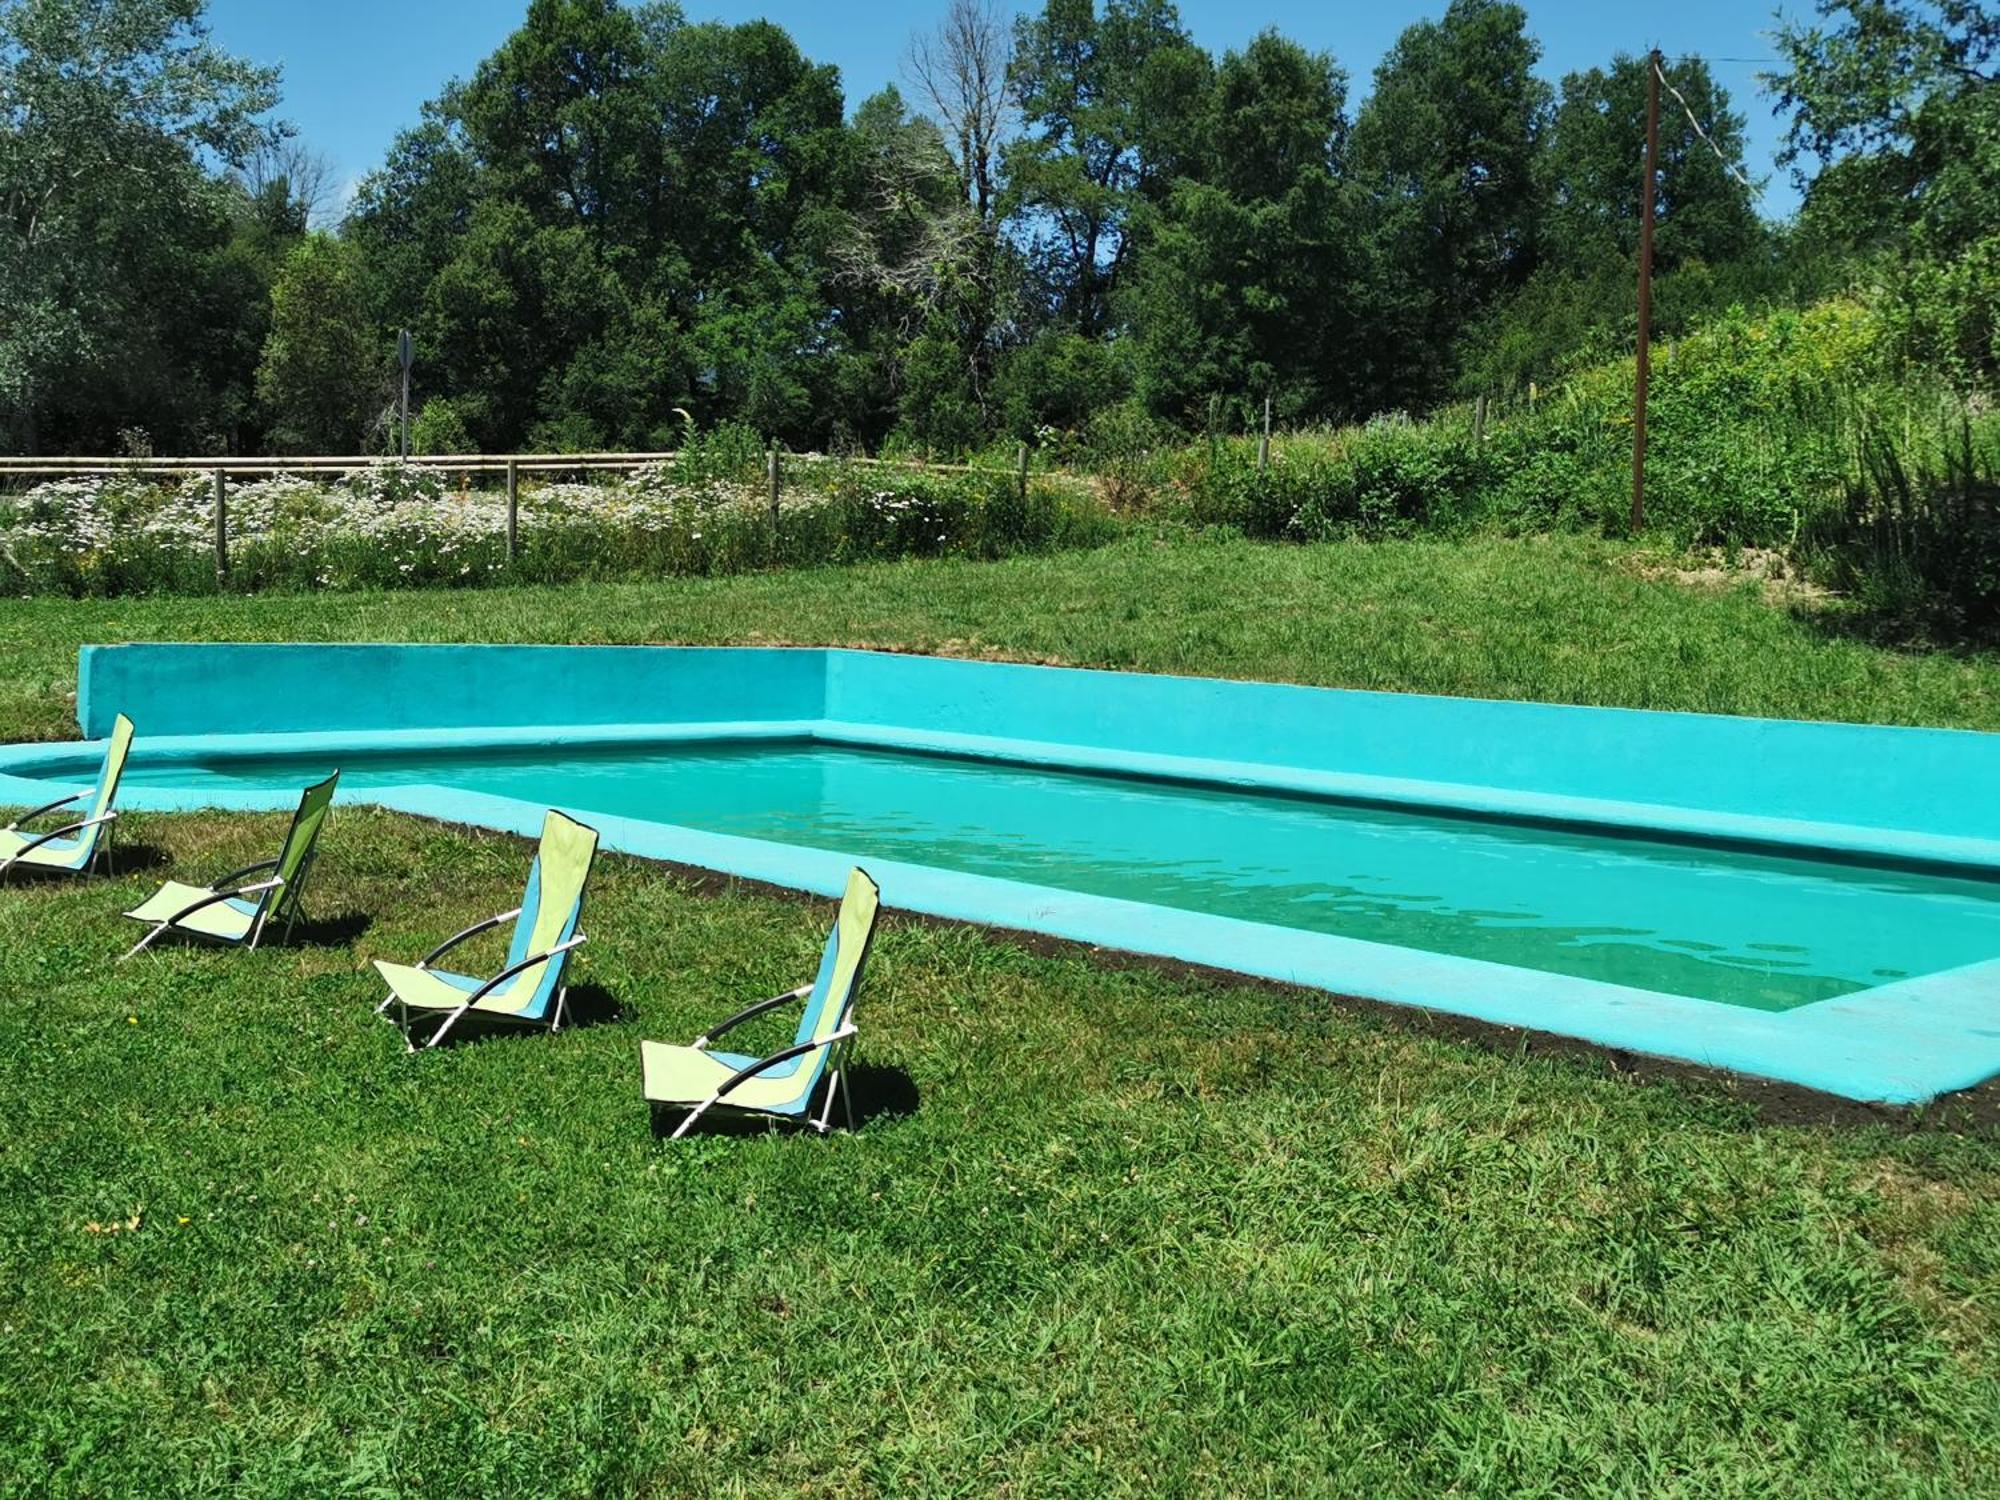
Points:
(1137, 1230)
(1567, 620)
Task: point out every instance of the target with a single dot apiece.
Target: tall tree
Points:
(1896, 133)
(1110, 107)
(1594, 169)
(1447, 142)
(321, 375)
(960, 70)
(1248, 281)
(106, 212)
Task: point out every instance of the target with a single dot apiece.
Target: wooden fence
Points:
(511, 466)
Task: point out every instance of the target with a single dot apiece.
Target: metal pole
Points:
(1264, 443)
(1021, 459)
(1479, 422)
(1644, 371)
(221, 527)
(776, 480)
(513, 510)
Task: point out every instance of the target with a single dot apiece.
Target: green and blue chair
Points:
(530, 990)
(698, 1080)
(75, 847)
(236, 914)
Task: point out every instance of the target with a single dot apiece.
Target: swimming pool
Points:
(1811, 903)
(1727, 925)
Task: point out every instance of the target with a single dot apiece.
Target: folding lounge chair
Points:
(529, 991)
(75, 847)
(230, 912)
(781, 1086)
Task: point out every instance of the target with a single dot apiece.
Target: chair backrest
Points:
(116, 749)
(295, 858)
(552, 906)
(841, 961)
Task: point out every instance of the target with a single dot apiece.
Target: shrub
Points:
(399, 526)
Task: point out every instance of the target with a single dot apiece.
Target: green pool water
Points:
(1745, 929)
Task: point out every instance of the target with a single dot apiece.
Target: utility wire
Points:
(1727, 165)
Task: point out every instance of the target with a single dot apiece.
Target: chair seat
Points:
(688, 1075)
(229, 920)
(438, 989)
(58, 854)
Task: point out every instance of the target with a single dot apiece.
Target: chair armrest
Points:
(56, 833)
(495, 982)
(520, 968)
(216, 896)
(45, 808)
(701, 1042)
(473, 931)
(235, 875)
(743, 1075)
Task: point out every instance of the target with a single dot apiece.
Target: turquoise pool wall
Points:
(1929, 795)
(289, 689)
(1876, 792)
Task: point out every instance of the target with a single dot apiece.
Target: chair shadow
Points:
(337, 931)
(135, 859)
(875, 1093)
(588, 1005)
(592, 1005)
(123, 859)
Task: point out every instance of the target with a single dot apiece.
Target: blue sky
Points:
(357, 71)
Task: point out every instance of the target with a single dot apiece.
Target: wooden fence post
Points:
(1479, 421)
(1264, 442)
(513, 510)
(776, 479)
(1021, 461)
(221, 528)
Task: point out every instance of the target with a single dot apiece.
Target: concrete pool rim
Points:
(1899, 1044)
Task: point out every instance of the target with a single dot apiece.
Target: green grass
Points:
(1566, 619)
(1105, 1229)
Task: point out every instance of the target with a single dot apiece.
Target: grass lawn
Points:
(1103, 1228)
(1564, 619)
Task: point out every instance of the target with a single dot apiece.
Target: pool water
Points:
(1746, 929)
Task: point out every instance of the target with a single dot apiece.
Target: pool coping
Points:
(1899, 1044)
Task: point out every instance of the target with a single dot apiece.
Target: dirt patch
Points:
(1778, 578)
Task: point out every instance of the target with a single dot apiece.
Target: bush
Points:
(1918, 539)
(401, 526)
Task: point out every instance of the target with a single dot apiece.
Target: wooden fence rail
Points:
(52, 466)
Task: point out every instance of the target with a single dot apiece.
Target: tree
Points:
(106, 213)
(960, 70)
(1594, 169)
(1249, 281)
(322, 374)
(1895, 134)
(1447, 145)
(1110, 106)
(292, 172)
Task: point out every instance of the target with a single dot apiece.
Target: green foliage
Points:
(1897, 103)
(1110, 106)
(1057, 382)
(1593, 164)
(1918, 541)
(440, 428)
(396, 526)
(113, 236)
(322, 374)
(1447, 143)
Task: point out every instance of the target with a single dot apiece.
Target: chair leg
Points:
(692, 1115)
(143, 943)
